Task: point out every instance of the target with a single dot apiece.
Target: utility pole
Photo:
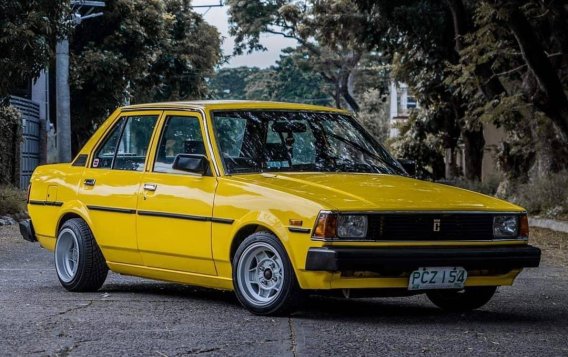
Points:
(81, 10)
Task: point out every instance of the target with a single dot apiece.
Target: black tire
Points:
(89, 271)
(462, 300)
(281, 274)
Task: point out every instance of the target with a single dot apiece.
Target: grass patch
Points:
(12, 201)
(554, 246)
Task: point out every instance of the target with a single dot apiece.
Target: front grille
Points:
(421, 226)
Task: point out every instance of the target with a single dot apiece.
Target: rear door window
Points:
(126, 146)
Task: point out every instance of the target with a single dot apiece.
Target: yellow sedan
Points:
(271, 200)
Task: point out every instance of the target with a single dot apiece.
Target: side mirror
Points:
(409, 166)
(196, 164)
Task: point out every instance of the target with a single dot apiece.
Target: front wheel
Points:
(79, 263)
(263, 276)
(462, 300)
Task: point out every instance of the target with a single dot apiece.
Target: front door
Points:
(111, 182)
(175, 207)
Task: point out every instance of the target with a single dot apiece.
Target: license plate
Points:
(437, 278)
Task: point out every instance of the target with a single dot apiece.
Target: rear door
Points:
(175, 207)
(111, 181)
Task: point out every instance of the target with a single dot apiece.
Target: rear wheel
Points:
(462, 300)
(263, 276)
(79, 263)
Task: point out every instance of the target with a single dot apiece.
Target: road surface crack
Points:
(292, 336)
(75, 308)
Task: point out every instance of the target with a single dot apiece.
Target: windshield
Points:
(267, 141)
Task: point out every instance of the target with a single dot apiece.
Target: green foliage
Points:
(230, 83)
(374, 114)
(28, 29)
(12, 200)
(139, 51)
(485, 72)
(416, 143)
(327, 32)
(286, 81)
(10, 138)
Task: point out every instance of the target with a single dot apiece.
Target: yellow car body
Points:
(202, 219)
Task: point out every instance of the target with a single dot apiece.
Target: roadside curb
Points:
(558, 226)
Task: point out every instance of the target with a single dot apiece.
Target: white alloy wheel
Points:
(260, 274)
(67, 255)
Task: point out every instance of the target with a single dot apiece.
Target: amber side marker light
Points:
(524, 226)
(326, 226)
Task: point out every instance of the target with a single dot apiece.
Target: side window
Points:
(181, 135)
(104, 156)
(127, 144)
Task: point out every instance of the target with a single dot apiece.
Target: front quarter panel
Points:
(249, 204)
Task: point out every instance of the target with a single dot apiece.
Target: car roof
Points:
(231, 105)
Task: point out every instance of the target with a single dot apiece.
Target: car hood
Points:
(358, 192)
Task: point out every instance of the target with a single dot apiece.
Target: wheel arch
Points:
(243, 232)
(69, 211)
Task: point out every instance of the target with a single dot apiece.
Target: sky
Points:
(217, 16)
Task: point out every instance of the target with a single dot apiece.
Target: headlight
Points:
(505, 226)
(352, 226)
(333, 226)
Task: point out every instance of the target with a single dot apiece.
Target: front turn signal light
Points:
(326, 226)
(524, 226)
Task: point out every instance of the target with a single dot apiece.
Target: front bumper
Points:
(399, 260)
(27, 230)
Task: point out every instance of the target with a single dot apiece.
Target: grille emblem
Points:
(437, 224)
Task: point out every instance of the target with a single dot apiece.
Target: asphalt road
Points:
(131, 316)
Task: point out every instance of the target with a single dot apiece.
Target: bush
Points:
(12, 201)
(547, 195)
(10, 139)
(487, 187)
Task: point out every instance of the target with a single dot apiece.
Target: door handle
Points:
(89, 182)
(150, 187)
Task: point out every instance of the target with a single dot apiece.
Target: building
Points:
(401, 104)
(33, 101)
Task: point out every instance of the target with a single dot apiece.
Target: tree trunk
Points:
(344, 90)
(556, 106)
(474, 144)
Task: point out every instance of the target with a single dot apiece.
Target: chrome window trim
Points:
(206, 128)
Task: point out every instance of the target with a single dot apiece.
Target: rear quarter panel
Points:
(53, 193)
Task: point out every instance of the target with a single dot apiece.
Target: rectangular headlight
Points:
(505, 226)
(330, 225)
(352, 226)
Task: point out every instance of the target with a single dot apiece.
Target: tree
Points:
(504, 63)
(374, 114)
(230, 83)
(138, 51)
(326, 31)
(27, 35)
(286, 81)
